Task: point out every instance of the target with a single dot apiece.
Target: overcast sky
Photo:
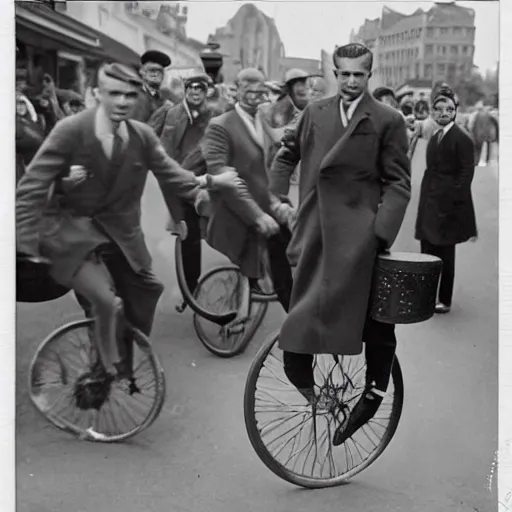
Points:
(308, 27)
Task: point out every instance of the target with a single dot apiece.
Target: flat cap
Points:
(155, 56)
(380, 92)
(444, 92)
(250, 75)
(201, 80)
(122, 73)
(295, 74)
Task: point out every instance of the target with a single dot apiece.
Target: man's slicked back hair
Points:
(353, 51)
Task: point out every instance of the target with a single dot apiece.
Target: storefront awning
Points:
(40, 26)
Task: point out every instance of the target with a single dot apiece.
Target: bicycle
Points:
(67, 383)
(293, 437)
(227, 320)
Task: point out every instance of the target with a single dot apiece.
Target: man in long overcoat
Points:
(353, 194)
(446, 216)
(101, 208)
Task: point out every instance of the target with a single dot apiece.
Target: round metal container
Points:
(33, 283)
(405, 287)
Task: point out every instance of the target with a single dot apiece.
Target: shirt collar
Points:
(103, 126)
(447, 127)
(346, 117)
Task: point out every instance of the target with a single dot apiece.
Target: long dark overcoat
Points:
(105, 207)
(446, 215)
(354, 187)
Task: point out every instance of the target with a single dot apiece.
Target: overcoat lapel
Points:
(240, 127)
(362, 112)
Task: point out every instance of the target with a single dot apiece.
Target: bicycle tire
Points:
(279, 469)
(144, 345)
(241, 344)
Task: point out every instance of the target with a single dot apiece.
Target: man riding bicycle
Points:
(88, 227)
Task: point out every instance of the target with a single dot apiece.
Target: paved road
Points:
(197, 457)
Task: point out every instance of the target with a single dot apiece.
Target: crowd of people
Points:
(224, 157)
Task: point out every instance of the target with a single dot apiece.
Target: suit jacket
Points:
(231, 228)
(446, 214)
(147, 105)
(354, 190)
(106, 207)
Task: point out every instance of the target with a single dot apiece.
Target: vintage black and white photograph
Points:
(257, 256)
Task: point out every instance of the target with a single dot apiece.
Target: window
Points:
(443, 50)
(457, 31)
(454, 50)
(464, 50)
(428, 70)
(417, 70)
(430, 32)
(429, 49)
(444, 31)
(441, 68)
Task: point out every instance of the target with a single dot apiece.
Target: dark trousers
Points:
(447, 254)
(191, 247)
(140, 291)
(380, 347)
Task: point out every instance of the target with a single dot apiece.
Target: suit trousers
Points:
(139, 291)
(447, 254)
(191, 247)
(280, 270)
(380, 346)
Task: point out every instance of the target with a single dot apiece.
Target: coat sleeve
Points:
(288, 157)
(174, 181)
(216, 150)
(466, 157)
(33, 189)
(395, 169)
(158, 119)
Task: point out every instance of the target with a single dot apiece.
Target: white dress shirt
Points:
(345, 118)
(253, 125)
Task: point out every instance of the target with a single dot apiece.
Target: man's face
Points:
(195, 95)
(300, 94)
(317, 89)
(252, 95)
(353, 76)
(152, 74)
(21, 107)
(117, 98)
(444, 112)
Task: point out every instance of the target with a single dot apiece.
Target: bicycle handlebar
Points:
(181, 234)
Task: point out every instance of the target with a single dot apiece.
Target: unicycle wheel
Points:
(294, 440)
(72, 391)
(219, 291)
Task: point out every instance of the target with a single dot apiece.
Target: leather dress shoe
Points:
(442, 309)
(361, 414)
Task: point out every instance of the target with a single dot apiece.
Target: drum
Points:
(405, 287)
(34, 284)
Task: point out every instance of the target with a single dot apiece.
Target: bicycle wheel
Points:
(296, 443)
(67, 386)
(219, 291)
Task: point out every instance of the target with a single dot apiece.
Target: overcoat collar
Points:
(332, 124)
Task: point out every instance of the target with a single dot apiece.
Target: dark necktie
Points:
(440, 134)
(117, 148)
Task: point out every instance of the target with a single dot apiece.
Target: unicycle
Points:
(227, 313)
(67, 383)
(293, 438)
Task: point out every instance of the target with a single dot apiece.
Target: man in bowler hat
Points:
(152, 72)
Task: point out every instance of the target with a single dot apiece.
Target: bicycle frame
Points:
(224, 319)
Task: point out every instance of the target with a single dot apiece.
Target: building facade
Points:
(144, 26)
(250, 39)
(434, 45)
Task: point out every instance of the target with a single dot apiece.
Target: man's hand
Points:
(77, 175)
(267, 226)
(227, 179)
(284, 213)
